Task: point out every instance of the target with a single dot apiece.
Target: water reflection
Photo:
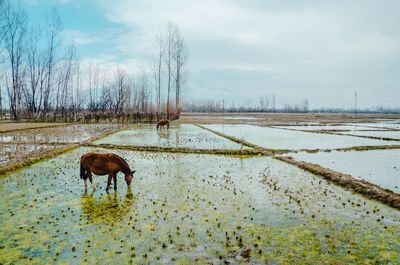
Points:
(108, 208)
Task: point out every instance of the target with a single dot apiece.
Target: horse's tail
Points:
(83, 171)
(158, 125)
(167, 124)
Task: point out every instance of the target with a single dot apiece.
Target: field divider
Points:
(34, 143)
(244, 152)
(363, 187)
(36, 128)
(336, 133)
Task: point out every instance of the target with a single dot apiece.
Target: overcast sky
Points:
(242, 49)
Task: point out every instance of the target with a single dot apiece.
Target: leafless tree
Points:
(120, 90)
(53, 42)
(157, 67)
(144, 93)
(169, 42)
(4, 6)
(14, 43)
(65, 80)
(180, 56)
(36, 68)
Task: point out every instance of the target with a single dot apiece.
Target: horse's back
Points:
(101, 164)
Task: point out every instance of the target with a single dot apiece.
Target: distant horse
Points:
(103, 164)
(161, 123)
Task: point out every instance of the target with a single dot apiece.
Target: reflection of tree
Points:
(108, 208)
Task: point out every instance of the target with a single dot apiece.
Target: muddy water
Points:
(381, 167)
(283, 139)
(71, 134)
(184, 135)
(189, 209)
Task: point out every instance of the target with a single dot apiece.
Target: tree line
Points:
(43, 79)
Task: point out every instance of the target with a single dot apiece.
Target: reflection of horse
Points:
(103, 164)
(163, 135)
(161, 123)
(108, 208)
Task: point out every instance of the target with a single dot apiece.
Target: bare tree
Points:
(180, 56)
(157, 67)
(169, 38)
(14, 38)
(144, 93)
(53, 42)
(120, 90)
(33, 92)
(4, 6)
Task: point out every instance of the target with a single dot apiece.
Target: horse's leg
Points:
(91, 179)
(115, 181)
(85, 184)
(109, 181)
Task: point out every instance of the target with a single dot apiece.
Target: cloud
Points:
(316, 49)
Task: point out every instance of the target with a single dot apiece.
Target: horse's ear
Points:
(133, 171)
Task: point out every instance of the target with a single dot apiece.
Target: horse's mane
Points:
(123, 161)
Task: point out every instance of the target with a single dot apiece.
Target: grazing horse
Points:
(162, 123)
(103, 164)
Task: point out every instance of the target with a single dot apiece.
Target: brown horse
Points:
(161, 123)
(103, 164)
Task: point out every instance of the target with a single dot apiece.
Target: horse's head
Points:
(129, 177)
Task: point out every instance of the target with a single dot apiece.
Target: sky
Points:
(240, 50)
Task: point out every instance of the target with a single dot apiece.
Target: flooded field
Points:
(381, 167)
(383, 134)
(386, 125)
(12, 153)
(351, 128)
(185, 209)
(67, 134)
(285, 139)
(183, 135)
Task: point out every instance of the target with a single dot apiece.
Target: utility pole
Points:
(355, 105)
(223, 105)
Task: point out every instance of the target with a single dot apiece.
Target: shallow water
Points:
(184, 135)
(241, 118)
(383, 134)
(286, 139)
(11, 153)
(386, 125)
(381, 167)
(69, 134)
(186, 208)
(327, 128)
